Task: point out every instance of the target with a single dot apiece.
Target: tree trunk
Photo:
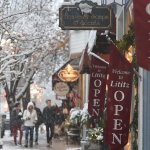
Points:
(26, 98)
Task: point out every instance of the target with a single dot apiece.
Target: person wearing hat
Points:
(17, 123)
(30, 118)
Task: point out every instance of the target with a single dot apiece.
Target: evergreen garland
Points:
(127, 40)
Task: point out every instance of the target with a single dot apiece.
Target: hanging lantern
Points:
(68, 74)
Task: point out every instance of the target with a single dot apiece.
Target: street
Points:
(58, 144)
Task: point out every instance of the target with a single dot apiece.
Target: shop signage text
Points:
(97, 88)
(75, 17)
(119, 100)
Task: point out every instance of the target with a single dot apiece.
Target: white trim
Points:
(119, 22)
(93, 54)
(140, 111)
(131, 11)
(91, 40)
(123, 11)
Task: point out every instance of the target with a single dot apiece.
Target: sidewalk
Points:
(57, 144)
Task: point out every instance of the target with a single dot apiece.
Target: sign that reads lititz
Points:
(85, 15)
(142, 32)
(97, 87)
(119, 100)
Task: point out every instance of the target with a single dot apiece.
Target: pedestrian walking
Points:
(17, 123)
(38, 123)
(49, 121)
(30, 118)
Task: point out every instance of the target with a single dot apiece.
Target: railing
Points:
(103, 2)
(119, 2)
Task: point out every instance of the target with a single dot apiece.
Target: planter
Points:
(85, 144)
(75, 130)
(94, 146)
(91, 146)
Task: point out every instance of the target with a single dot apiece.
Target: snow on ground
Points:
(58, 144)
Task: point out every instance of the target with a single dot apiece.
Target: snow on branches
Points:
(31, 43)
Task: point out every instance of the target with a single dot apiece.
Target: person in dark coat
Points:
(49, 121)
(38, 123)
(17, 123)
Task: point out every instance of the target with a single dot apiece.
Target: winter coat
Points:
(30, 118)
(49, 115)
(39, 117)
(16, 117)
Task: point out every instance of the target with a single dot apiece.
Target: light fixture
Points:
(129, 54)
(68, 74)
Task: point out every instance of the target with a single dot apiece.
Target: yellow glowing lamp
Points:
(68, 74)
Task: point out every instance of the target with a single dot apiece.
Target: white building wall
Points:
(119, 22)
(78, 41)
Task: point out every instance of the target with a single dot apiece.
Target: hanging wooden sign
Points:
(85, 15)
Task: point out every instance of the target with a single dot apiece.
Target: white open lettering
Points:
(117, 109)
(96, 102)
(95, 112)
(97, 83)
(118, 139)
(117, 124)
(122, 96)
(96, 92)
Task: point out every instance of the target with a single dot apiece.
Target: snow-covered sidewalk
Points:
(58, 144)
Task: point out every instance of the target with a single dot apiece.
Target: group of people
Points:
(30, 120)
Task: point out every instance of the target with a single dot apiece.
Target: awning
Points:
(98, 44)
(85, 63)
